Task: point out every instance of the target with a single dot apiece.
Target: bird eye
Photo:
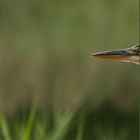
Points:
(137, 51)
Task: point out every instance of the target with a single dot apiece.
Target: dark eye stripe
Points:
(138, 46)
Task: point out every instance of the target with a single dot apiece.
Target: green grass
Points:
(5, 130)
(34, 129)
(69, 127)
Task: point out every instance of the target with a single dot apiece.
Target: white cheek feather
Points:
(133, 59)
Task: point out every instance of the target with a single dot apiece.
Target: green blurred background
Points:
(50, 86)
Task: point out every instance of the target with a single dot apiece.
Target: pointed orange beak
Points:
(116, 54)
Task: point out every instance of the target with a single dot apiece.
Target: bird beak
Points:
(115, 54)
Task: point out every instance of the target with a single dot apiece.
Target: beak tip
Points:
(94, 54)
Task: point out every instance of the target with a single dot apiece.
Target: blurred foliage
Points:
(50, 86)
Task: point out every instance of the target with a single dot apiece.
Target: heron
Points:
(131, 54)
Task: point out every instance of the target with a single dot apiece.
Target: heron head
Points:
(131, 54)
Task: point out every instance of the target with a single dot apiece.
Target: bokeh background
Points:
(50, 86)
